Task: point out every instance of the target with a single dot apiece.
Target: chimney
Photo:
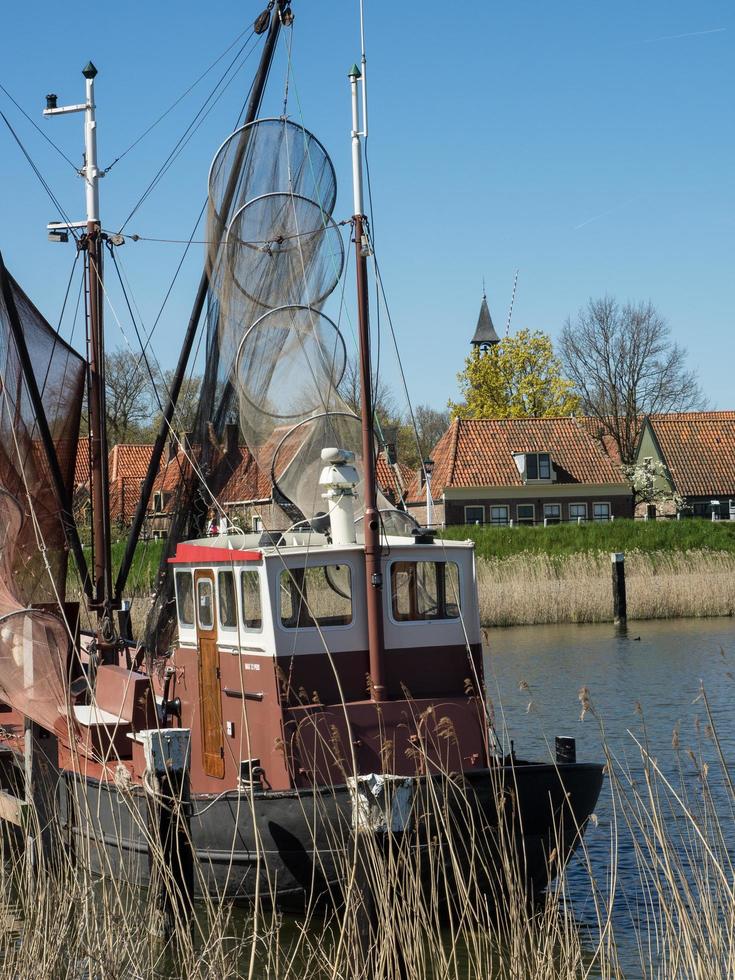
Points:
(232, 438)
(390, 434)
(172, 448)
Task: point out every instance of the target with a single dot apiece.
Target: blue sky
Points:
(589, 145)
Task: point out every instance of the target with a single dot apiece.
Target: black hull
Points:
(305, 836)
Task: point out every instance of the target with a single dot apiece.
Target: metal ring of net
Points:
(283, 249)
(292, 357)
(269, 155)
(296, 462)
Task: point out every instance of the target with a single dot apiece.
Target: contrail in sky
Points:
(603, 214)
(675, 37)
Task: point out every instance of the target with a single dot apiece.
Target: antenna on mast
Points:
(363, 66)
(512, 301)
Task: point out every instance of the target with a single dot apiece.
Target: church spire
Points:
(485, 335)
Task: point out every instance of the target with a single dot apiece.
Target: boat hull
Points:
(289, 848)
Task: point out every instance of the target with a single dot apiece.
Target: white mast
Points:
(89, 171)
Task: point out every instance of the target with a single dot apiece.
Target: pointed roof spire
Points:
(485, 334)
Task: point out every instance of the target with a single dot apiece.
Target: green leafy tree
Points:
(520, 377)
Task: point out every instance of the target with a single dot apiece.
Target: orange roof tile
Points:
(392, 478)
(479, 453)
(129, 461)
(699, 451)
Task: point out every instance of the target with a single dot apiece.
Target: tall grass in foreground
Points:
(537, 588)
(429, 909)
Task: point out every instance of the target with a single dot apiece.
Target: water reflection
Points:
(646, 685)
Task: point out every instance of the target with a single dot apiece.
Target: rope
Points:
(40, 176)
(39, 130)
(180, 98)
(196, 122)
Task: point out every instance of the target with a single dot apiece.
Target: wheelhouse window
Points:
(320, 595)
(205, 604)
(526, 513)
(499, 514)
(601, 512)
(474, 515)
(552, 513)
(577, 512)
(252, 616)
(227, 600)
(424, 590)
(185, 598)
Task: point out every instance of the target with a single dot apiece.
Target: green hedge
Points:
(619, 535)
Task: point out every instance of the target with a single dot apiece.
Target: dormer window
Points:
(535, 467)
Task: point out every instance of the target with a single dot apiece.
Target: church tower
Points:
(485, 335)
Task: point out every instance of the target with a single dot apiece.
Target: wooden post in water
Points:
(170, 856)
(620, 609)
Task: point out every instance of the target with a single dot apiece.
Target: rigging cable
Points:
(40, 176)
(39, 130)
(179, 99)
(207, 106)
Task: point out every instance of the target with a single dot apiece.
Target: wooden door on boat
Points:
(210, 694)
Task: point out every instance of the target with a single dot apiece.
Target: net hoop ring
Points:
(328, 225)
(287, 435)
(308, 136)
(336, 381)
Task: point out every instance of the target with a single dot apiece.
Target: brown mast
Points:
(371, 519)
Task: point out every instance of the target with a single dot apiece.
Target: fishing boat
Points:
(317, 680)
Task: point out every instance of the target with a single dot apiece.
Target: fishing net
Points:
(279, 259)
(33, 556)
(274, 360)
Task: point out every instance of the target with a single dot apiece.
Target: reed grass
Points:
(63, 923)
(541, 588)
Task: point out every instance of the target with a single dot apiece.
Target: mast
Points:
(91, 243)
(282, 15)
(371, 519)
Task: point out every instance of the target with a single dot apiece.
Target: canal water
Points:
(644, 683)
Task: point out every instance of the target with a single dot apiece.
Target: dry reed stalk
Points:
(531, 588)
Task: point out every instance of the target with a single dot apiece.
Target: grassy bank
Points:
(561, 574)
(568, 539)
(143, 572)
(540, 588)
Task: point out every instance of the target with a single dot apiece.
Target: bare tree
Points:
(126, 396)
(383, 402)
(186, 404)
(624, 365)
(431, 424)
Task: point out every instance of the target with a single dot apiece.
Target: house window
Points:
(424, 590)
(499, 514)
(317, 596)
(227, 601)
(526, 513)
(158, 502)
(601, 512)
(538, 466)
(552, 513)
(252, 617)
(474, 515)
(185, 598)
(577, 512)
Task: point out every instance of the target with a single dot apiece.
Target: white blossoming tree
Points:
(651, 484)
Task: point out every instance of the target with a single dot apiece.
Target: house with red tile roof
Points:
(245, 494)
(524, 471)
(697, 450)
